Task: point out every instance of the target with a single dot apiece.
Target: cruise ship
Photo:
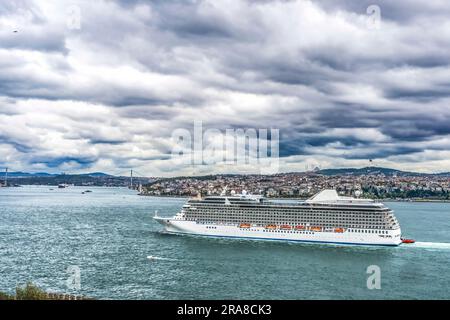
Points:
(324, 218)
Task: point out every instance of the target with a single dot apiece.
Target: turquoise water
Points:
(109, 234)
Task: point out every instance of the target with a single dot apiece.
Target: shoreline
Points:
(303, 199)
(418, 200)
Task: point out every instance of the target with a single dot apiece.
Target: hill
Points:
(370, 171)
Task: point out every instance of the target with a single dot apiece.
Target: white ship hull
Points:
(364, 237)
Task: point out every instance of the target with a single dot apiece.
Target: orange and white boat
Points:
(300, 227)
(271, 226)
(244, 225)
(339, 230)
(318, 229)
(286, 227)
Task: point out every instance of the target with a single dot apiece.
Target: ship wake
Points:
(430, 245)
(153, 258)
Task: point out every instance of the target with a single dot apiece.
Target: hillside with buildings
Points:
(379, 184)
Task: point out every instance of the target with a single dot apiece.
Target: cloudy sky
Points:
(102, 85)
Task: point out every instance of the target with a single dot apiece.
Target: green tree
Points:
(30, 292)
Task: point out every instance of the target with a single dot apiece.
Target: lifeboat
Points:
(339, 230)
(271, 226)
(286, 227)
(300, 227)
(408, 240)
(315, 229)
(244, 225)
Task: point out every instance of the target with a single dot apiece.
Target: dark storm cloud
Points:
(334, 87)
(26, 40)
(368, 150)
(184, 20)
(21, 146)
(416, 129)
(56, 162)
(397, 11)
(418, 94)
(348, 116)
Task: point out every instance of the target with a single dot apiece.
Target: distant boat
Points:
(88, 191)
(63, 185)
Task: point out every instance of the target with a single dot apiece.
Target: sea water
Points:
(109, 236)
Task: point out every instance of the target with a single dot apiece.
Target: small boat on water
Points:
(408, 240)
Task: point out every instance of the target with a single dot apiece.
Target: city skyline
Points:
(87, 87)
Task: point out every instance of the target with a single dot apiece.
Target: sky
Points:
(103, 85)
